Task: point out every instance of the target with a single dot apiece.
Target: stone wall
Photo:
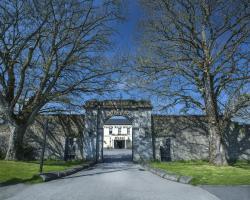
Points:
(237, 139)
(65, 136)
(4, 138)
(187, 138)
(64, 139)
(177, 137)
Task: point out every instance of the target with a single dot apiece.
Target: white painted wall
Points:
(109, 138)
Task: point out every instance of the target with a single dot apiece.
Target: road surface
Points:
(112, 180)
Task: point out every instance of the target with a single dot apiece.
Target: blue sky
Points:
(125, 42)
(125, 39)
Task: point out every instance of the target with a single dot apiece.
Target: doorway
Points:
(137, 112)
(117, 139)
(119, 144)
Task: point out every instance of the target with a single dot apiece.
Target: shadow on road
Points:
(115, 160)
(98, 173)
(117, 155)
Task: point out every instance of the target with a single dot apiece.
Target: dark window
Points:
(119, 131)
(110, 130)
(119, 144)
(128, 131)
(71, 141)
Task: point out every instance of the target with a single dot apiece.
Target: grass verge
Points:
(12, 172)
(204, 173)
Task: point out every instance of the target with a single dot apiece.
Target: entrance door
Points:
(119, 144)
(166, 151)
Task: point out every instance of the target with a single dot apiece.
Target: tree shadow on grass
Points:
(241, 164)
(61, 163)
(14, 181)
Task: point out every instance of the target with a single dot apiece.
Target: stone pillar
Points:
(89, 147)
(101, 138)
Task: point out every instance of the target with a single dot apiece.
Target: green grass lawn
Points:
(207, 174)
(12, 172)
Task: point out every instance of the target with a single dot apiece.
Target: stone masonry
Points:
(160, 137)
(186, 138)
(138, 112)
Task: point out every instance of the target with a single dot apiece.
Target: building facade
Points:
(117, 134)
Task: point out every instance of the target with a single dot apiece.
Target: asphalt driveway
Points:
(241, 192)
(112, 180)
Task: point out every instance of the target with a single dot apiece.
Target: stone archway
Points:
(138, 112)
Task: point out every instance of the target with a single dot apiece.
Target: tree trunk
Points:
(15, 146)
(217, 155)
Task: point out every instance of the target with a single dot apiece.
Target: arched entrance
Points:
(138, 112)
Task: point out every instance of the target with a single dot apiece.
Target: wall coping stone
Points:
(118, 104)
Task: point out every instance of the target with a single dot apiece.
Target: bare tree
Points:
(50, 50)
(244, 114)
(197, 56)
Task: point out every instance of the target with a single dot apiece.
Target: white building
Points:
(117, 134)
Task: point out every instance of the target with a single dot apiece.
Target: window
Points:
(128, 131)
(110, 130)
(119, 131)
